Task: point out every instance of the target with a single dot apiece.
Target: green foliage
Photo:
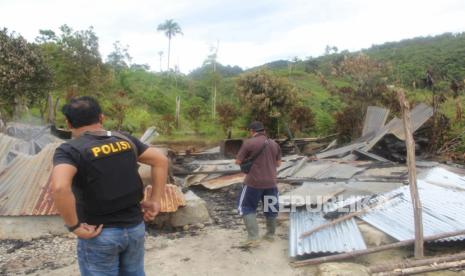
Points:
(166, 124)
(318, 96)
(267, 97)
(227, 114)
(302, 119)
(444, 55)
(196, 112)
(74, 59)
(224, 71)
(119, 59)
(24, 76)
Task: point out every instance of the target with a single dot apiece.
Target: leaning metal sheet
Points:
(342, 237)
(442, 212)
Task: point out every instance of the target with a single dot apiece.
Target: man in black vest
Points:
(98, 191)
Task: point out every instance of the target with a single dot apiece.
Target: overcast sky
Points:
(250, 33)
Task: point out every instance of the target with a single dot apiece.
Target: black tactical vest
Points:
(107, 180)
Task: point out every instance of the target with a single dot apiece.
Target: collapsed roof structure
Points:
(25, 168)
(339, 176)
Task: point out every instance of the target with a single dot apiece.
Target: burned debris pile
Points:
(329, 193)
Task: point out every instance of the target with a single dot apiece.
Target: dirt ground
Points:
(209, 249)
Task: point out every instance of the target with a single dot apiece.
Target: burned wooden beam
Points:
(416, 263)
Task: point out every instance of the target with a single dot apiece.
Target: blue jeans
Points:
(250, 197)
(116, 251)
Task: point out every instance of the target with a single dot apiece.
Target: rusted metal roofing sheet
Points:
(25, 185)
(172, 199)
(342, 237)
(375, 119)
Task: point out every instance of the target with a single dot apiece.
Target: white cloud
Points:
(250, 32)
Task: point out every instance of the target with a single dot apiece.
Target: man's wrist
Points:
(73, 227)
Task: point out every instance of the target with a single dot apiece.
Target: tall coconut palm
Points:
(171, 29)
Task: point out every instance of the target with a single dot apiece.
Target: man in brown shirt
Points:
(259, 183)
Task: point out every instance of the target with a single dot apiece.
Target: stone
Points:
(185, 227)
(395, 255)
(194, 212)
(342, 269)
(373, 236)
(161, 220)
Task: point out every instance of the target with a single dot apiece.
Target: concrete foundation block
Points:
(30, 227)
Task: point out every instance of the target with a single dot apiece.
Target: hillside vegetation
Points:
(323, 95)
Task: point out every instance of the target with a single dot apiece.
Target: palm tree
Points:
(171, 29)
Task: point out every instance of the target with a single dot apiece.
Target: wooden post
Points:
(412, 175)
(51, 111)
(178, 110)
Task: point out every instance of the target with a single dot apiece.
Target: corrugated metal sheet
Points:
(6, 145)
(31, 138)
(375, 119)
(339, 171)
(212, 162)
(324, 169)
(25, 185)
(341, 150)
(310, 170)
(172, 199)
(419, 115)
(443, 211)
(443, 177)
(223, 181)
(372, 141)
(310, 193)
(342, 237)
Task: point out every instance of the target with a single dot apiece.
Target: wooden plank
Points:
(415, 263)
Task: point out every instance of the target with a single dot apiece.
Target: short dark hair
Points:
(256, 126)
(82, 111)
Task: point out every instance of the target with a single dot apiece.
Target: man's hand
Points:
(86, 231)
(150, 209)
